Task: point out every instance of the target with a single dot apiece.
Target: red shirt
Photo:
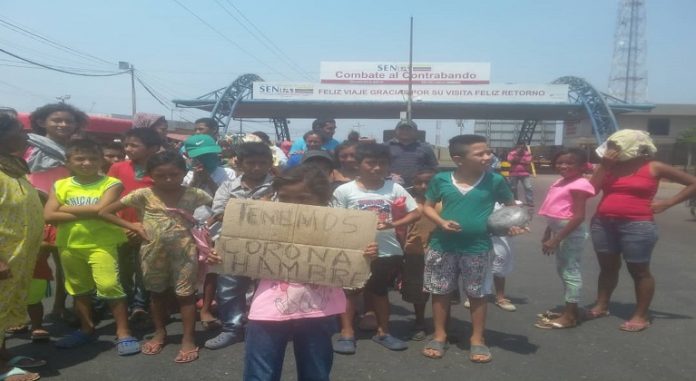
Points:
(125, 171)
(629, 197)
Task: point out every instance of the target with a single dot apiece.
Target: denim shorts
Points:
(634, 240)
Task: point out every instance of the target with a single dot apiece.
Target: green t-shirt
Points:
(470, 209)
(89, 232)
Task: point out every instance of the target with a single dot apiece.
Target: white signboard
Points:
(540, 93)
(444, 73)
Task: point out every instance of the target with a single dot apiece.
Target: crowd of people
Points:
(131, 226)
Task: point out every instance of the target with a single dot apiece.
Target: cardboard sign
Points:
(298, 243)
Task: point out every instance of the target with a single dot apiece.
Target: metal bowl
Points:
(502, 219)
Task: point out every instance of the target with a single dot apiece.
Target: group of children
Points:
(124, 232)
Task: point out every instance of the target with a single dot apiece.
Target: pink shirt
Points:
(559, 200)
(279, 301)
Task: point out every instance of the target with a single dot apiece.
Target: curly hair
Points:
(42, 113)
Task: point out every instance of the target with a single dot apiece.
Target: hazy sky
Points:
(526, 41)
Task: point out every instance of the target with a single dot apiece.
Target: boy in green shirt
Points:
(87, 244)
(461, 244)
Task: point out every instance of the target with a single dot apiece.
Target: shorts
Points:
(384, 271)
(443, 269)
(88, 269)
(38, 289)
(171, 266)
(634, 240)
(412, 281)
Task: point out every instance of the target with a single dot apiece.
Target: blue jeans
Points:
(265, 348)
(634, 240)
(526, 184)
(231, 299)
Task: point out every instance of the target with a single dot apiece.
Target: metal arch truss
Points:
(225, 101)
(598, 111)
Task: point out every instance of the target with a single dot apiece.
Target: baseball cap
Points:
(198, 145)
(317, 154)
(407, 124)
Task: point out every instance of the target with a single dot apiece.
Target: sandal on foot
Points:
(127, 346)
(75, 339)
(505, 305)
(548, 314)
(418, 334)
(438, 347)
(186, 356)
(344, 345)
(152, 348)
(629, 326)
(478, 351)
(40, 335)
(548, 324)
(17, 329)
(26, 362)
(592, 314)
(211, 325)
(390, 342)
(19, 372)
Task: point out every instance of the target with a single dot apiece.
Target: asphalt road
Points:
(596, 350)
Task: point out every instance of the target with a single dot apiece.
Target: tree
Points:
(688, 138)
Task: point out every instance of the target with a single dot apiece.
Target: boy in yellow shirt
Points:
(87, 244)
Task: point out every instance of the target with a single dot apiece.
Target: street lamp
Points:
(122, 65)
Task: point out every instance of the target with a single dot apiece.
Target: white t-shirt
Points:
(219, 176)
(379, 201)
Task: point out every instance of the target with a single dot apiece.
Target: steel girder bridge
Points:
(222, 103)
(599, 107)
(236, 101)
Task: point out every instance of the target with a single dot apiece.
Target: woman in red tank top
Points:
(624, 225)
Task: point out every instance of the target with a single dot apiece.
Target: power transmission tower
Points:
(628, 80)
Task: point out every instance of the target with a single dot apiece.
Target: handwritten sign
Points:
(299, 243)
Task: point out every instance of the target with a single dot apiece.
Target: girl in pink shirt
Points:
(284, 311)
(565, 236)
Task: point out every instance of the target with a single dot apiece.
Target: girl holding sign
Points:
(284, 311)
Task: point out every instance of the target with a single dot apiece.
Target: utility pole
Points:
(122, 65)
(410, 75)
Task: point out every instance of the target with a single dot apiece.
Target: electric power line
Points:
(268, 43)
(227, 38)
(35, 36)
(60, 70)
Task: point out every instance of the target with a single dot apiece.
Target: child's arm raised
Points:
(109, 214)
(446, 225)
(579, 201)
(85, 211)
(52, 213)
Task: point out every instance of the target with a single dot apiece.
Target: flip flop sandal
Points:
(181, 358)
(418, 334)
(18, 329)
(592, 315)
(390, 342)
(151, 348)
(75, 339)
(345, 345)
(547, 324)
(628, 326)
(548, 314)
(18, 372)
(34, 363)
(128, 346)
(40, 335)
(480, 350)
(438, 347)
